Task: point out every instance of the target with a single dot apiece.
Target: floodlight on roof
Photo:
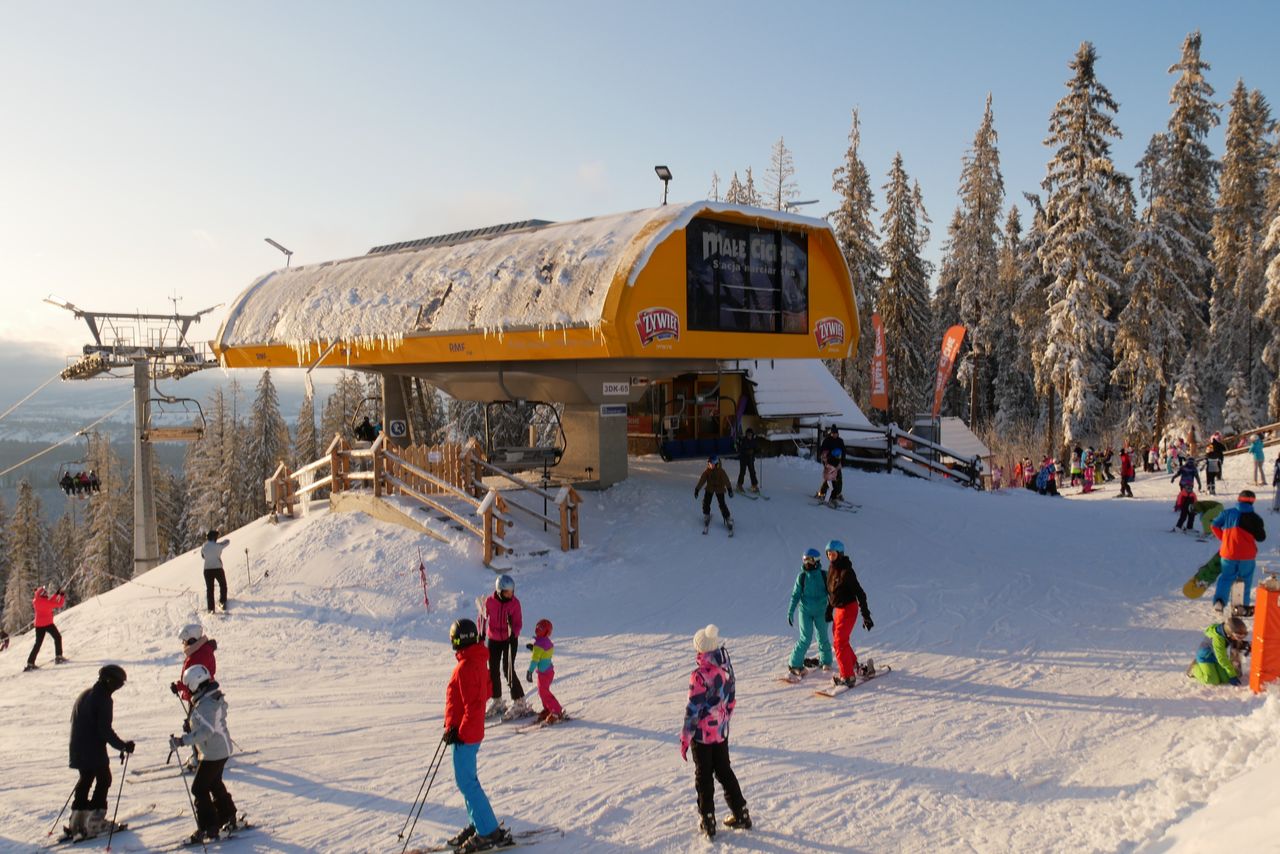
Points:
(664, 175)
(288, 254)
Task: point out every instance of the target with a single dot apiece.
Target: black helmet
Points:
(213, 534)
(112, 675)
(463, 633)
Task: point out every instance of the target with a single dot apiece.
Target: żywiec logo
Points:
(657, 324)
(828, 331)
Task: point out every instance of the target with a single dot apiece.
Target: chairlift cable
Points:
(64, 441)
(5, 414)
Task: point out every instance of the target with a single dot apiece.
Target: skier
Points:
(206, 729)
(44, 605)
(464, 699)
(1107, 455)
(1186, 474)
(1087, 473)
(196, 649)
(1077, 464)
(830, 443)
(540, 652)
(845, 596)
(1212, 469)
(211, 552)
(1127, 472)
(1217, 661)
(91, 732)
(1184, 505)
(503, 620)
(717, 483)
(706, 728)
(810, 593)
(833, 474)
(748, 447)
(1240, 530)
(1275, 481)
(1259, 457)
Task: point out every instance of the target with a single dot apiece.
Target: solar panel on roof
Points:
(459, 236)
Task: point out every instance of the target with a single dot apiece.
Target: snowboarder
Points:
(196, 649)
(810, 593)
(1240, 530)
(205, 729)
(1207, 511)
(1217, 661)
(540, 652)
(44, 605)
(468, 690)
(211, 552)
(844, 597)
(91, 732)
(717, 483)
(748, 447)
(1184, 506)
(706, 727)
(830, 443)
(1259, 457)
(503, 620)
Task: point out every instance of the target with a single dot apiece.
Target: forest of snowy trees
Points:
(1102, 309)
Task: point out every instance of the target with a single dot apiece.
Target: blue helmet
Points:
(836, 546)
(713, 459)
(504, 582)
(836, 453)
(812, 554)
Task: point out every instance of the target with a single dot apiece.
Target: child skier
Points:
(1187, 474)
(91, 732)
(706, 727)
(1217, 661)
(1184, 505)
(464, 700)
(196, 649)
(832, 475)
(1240, 530)
(540, 654)
(206, 730)
(845, 596)
(503, 620)
(716, 481)
(44, 605)
(810, 593)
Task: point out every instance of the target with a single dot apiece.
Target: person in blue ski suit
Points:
(810, 593)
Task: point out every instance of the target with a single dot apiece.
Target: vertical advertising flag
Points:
(879, 368)
(946, 360)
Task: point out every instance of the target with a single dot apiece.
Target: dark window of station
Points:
(743, 279)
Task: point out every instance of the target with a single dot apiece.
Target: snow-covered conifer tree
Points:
(904, 297)
(4, 556)
(780, 180)
(305, 441)
(1269, 314)
(945, 310)
(66, 547)
(1031, 315)
(29, 558)
(343, 404)
(1014, 399)
(1186, 415)
(1237, 412)
(107, 559)
(750, 195)
(268, 438)
(714, 193)
(734, 195)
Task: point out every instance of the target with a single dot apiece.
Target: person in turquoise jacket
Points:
(1217, 661)
(1259, 458)
(810, 593)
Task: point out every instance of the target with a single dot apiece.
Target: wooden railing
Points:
(427, 475)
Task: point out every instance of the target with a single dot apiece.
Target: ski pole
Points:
(124, 772)
(182, 769)
(434, 757)
(423, 801)
(248, 577)
(60, 812)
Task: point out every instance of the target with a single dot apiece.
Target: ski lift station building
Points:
(586, 314)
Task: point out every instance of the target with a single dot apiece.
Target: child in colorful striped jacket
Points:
(540, 654)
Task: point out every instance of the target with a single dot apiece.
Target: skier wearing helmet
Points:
(91, 732)
(717, 483)
(831, 442)
(503, 621)
(196, 649)
(464, 716)
(845, 596)
(810, 593)
(206, 730)
(1217, 661)
(540, 653)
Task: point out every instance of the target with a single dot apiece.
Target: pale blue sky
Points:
(149, 147)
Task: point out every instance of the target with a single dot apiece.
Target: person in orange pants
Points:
(845, 597)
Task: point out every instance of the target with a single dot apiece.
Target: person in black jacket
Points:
(845, 597)
(747, 449)
(830, 441)
(91, 732)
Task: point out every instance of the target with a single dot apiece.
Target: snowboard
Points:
(532, 836)
(1204, 578)
(836, 690)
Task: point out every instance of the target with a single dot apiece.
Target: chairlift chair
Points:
(371, 408)
(159, 426)
(515, 458)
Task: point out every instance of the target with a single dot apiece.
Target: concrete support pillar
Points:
(395, 409)
(596, 441)
(146, 539)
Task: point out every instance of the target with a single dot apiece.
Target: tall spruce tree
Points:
(975, 256)
(750, 195)
(29, 558)
(4, 556)
(268, 438)
(780, 182)
(1014, 399)
(209, 480)
(1237, 413)
(1186, 414)
(1269, 314)
(108, 542)
(66, 546)
(344, 402)
(734, 195)
(1031, 315)
(945, 310)
(714, 193)
(853, 224)
(1083, 228)
(305, 440)
(904, 296)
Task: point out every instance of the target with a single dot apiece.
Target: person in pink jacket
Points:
(502, 623)
(44, 605)
(706, 728)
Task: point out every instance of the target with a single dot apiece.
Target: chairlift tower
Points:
(152, 346)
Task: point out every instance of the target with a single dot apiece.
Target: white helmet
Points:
(195, 676)
(192, 632)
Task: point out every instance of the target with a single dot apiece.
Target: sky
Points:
(150, 147)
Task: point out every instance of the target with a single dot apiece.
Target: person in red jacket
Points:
(1127, 472)
(196, 649)
(44, 606)
(464, 700)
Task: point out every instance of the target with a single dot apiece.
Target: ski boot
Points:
(200, 837)
(61, 660)
(519, 709)
(1242, 611)
(500, 838)
(708, 825)
(29, 667)
(463, 835)
(497, 708)
(797, 672)
(740, 820)
(99, 823)
(79, 826)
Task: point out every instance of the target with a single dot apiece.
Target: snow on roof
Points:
(956, 436)
(805, 390)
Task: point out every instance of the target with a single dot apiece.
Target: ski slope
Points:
(1038, 700)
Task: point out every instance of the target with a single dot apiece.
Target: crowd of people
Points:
(81, 483)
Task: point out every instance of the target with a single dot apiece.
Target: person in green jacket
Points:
(1217, 661)
(1207, 510)
(810, 593)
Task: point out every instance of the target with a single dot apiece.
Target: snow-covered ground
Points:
(1038, 700)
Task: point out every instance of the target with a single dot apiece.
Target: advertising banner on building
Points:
(946, 361)
(879, 368)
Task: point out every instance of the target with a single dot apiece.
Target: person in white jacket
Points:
(211, 553)
(208, 734)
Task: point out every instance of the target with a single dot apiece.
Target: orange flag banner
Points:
(879, 368)
(946, 361)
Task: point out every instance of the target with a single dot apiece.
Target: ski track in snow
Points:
(1037, 700)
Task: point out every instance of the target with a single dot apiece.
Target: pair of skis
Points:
(706, 525)
(839, 504)
(531, 836)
